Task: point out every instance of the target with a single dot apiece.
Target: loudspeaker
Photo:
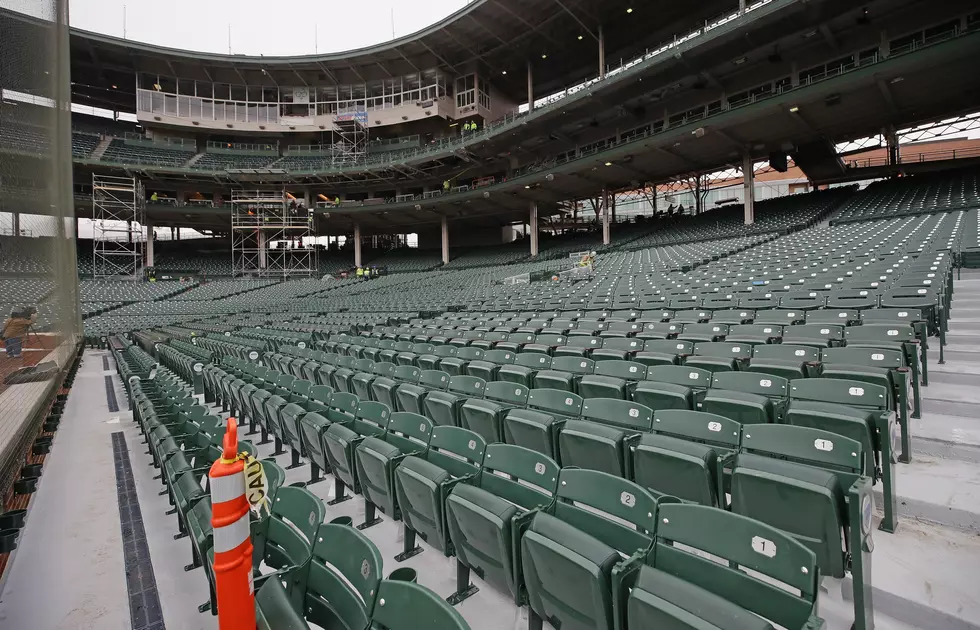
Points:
(778, 161)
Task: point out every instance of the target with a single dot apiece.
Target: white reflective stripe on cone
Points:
(227, 487)
(228, 537)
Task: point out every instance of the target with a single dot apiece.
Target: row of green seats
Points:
(303, 562)
(391, 461)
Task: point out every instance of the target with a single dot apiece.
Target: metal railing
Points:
(917, 158)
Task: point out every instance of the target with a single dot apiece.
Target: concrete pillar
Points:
(602, 54)
(78, 226)
(149, 242)
(606, 238)
(307, 198)
(129, 231)
(748, 176)
(178, 233)
(530, 88)
(741, 7)
(357, 244)
(262, 249)
(891, 141)
(181, 197)
(884, 45)
(445, 240)
(15, 223)
(532, 223)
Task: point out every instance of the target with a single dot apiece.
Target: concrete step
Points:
(937, 490)
(940, 390)
(925, 576)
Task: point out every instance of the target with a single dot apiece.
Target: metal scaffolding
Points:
(118, 215)
(271, 236)
(350, 138)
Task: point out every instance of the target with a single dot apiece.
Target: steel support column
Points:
(533, 228)
(748, 177)
(357, 244)
(602, 53)
(445, 240)
(606, 238)
(149, 241)
(530, 87)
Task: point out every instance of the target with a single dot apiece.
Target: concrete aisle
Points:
(68, 571)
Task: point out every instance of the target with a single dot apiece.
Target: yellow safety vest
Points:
(360, 272)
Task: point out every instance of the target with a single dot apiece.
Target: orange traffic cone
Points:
(234, 589)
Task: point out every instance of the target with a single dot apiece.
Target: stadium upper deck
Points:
(618, 104)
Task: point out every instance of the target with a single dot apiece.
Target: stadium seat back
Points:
(344, 577)
(677, 587)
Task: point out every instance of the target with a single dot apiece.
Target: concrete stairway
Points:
(100, 149)
(925, 573)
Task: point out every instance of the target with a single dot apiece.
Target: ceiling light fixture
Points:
(794, 109)
(579, 38)
(629, 10)
(503, 72)
(544, 56)
(608, 163)
(527, 186)
(739, 61)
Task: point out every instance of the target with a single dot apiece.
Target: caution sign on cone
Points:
(234, 589)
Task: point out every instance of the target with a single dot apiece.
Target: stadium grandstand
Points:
(561, 314)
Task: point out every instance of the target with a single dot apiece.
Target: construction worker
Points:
(360, 272)
(473, 126)
(15, 329)
(154, 197)
(336, 201)
(445, 186)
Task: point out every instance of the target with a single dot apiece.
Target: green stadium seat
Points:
(383, 388)
(785, 360)
(614, 349)
(571, 557)
(578, 347)
(818, 335)
(485, 416)
(747, 397)
(601, 440)
(612, 379)
(565, 373)
(664, 352)
(679, 456)
(423, 483)
(341, 440)
(343, 579)
(408, 606)
(809, 484)
(434, 360)
(443, 407)
(672, 387)
(538, 426)
(378, 457)
(525, 366)
(487, 516)
(411, 398)
(859, 411)
(362, 381)
(456, 365)
(674, 586)
(719, 356)
(487, 367)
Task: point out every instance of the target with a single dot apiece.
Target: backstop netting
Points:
(39, 288)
